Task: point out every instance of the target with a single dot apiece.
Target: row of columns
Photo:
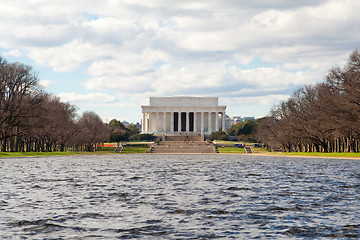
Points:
(146, 121)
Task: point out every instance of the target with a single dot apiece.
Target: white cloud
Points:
(68, 57)
(270, 99)
(13, 53)
(137, 48)
(199, 79)
(45, 83)
(91, 98)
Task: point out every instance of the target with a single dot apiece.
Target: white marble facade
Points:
(183, 115)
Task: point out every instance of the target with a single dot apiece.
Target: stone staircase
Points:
(182, 147)
(248, 149)
(183, 138)
(118, 149)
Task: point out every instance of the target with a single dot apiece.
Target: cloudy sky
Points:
(110, 56)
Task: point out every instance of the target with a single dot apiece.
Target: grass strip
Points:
(318, 154)
(230, 150)
(44, 154)
(126, 150)
(130, 150)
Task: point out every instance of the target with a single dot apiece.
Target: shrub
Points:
(218, 135)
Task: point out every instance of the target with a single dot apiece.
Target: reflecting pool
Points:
(179, 197)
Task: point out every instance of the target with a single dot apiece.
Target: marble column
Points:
(209, 123)
(172, 122)
(202, 123)
(223, 121)
(179, 122)
(187, 121)
(149, 125)
(164, 122)
(156, 120)
(155, 127)
(143, 122)
(195, 122)
(216, 121)
(146, 122)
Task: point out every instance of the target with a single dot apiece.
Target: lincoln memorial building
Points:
(174, 116)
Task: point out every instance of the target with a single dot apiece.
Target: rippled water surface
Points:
(179, 197)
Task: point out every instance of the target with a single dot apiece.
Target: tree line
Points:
(33, 120)
(324, 117)
(242, 131)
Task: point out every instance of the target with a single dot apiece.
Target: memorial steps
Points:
(180, 138)
(182, 147)
(248, 149)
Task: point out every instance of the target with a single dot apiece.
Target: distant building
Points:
(237, 119)
(126, 123)
(227, 122)
(248, 118)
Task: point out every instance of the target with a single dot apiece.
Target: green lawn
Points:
(135, 150)
(230, 150)
(40, 154)
(107, 149)
(126, 150)
(316, 154)
(226, 142)
(235, 150)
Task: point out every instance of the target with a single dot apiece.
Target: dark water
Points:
(179, 197)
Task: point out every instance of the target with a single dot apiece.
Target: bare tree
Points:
(92, 130)
(20, 95)
(323, 118)
(31, 120)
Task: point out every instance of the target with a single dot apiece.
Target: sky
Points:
(110, 56)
